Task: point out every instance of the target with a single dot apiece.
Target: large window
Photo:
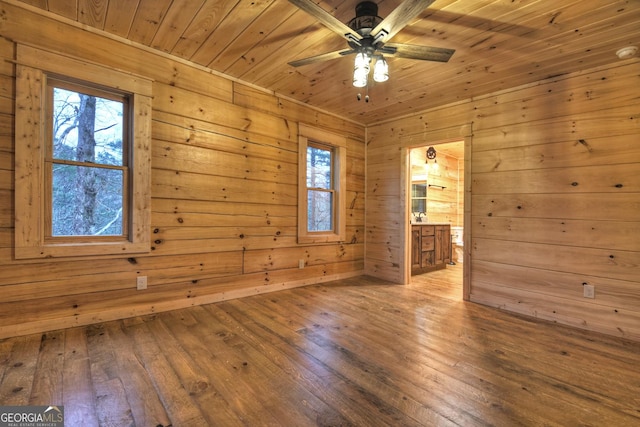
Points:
(321, 206)
(82, 158)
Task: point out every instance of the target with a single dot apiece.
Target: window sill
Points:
(72, 250)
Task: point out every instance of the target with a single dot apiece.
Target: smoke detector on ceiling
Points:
(627, 52)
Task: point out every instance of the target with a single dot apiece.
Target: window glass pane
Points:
(318, 167)
(319, 210)
(418, 205)
(418, 190)
(87, 128)
(87, 201)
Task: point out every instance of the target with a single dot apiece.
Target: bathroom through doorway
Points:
(436, 195)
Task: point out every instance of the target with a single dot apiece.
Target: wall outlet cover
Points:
(588, 291)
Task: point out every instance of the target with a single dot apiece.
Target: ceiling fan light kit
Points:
(368, 38)
(381, 70)
(361, 69)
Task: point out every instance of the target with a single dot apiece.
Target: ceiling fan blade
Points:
(398, 19)
(411, 51)
(327, 19)
(322, 57)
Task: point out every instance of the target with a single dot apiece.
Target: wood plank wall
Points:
(224, 194)
(555, 189)
(443, 203)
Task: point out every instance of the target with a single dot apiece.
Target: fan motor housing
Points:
(366, 18)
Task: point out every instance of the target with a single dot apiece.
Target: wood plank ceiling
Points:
(499, 44)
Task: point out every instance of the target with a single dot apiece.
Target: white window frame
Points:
(306, 136)
(33, 68)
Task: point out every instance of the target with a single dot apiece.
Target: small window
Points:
(82, 158)
(87, 161)
(320, 188)
(321, 205)
(418, 198)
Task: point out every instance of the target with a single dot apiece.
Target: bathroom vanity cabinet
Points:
(430, 247)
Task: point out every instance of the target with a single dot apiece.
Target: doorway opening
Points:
(435, 195)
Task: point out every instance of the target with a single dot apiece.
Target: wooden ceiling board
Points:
(254, 34)
(42, 4)
(177, 20)
(120, 14)
(92, 13)
(499, 44)
(203, 26)
(68, 9)
(499, 21)
(270, 71)
(149, 17)
(274, 76)
(275, 50)
(229, 29)
(291, 39)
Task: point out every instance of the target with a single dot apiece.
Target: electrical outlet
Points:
(141, 282)
(588, 291)
(300, 263)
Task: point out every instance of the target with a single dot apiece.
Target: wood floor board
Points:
(172, 392)
(20, 367)
(298, 384)
(220, 373)
(352, 373)
(355, 352)
(47, 378)
(503, 362)
(431, 367)
(146, 409)
(260, 373)
(182, 385)
(353, 403)
(360, 336)
(77, 385)
(112, 407)
(407, 369)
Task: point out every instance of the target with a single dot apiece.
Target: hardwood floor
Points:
(355, 352)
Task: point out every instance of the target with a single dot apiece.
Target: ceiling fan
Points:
(368, 38)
